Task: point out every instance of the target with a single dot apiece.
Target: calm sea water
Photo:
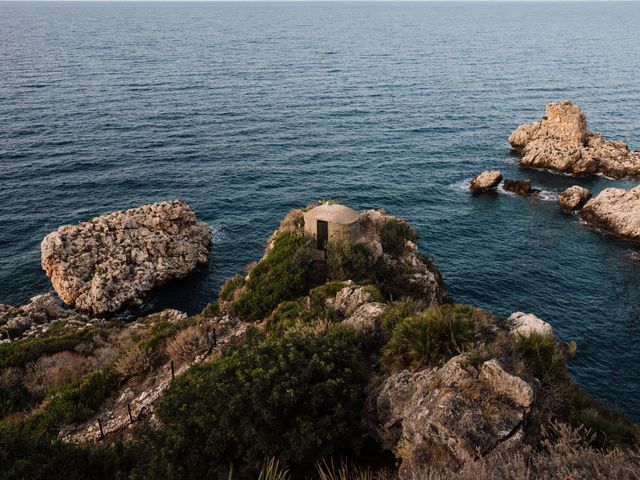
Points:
(247, 110)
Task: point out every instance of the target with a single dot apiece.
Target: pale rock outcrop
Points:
(352, 297)
(514, 388)
(527, 323)
(562, 143)
(615, 210)
(114, 260)
(41, 309)
(573, 198)
(487, 180)
(520, 187)
(453, 413)
(367, 319)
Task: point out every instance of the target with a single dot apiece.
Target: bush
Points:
(285, 274)
(73, 402)
(431, 337)
(394, 235)
(189, 343)
(230, 286)
(541, 355)
(320, 294)
(54, 371)
(133, 361)
(21, 352)
(299, 398)
(348, 261)
(395, 313)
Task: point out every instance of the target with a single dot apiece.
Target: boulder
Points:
(114, 260)
(561, 142)
(367, 319)
(487, 180)
(573, 198)
(452, 414)
(615, 210)
(520, 187)
(41, 309)
(512, 387)
(352, 297)
(527, 323)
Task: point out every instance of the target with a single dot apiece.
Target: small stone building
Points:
(331, 223)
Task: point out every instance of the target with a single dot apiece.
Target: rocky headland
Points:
(351, 347)
(114, 260)
(562, 143)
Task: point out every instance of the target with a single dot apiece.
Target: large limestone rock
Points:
(114, 260)
(352, 297)
(615, 210)
(486, 181)
(573, 198)
(527, 323)
(449, 414)
(562, 143)
(367, 319)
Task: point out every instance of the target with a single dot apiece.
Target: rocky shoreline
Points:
(444, 387)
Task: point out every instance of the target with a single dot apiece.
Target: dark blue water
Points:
(247, 110)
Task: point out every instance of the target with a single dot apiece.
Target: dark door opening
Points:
(323, 234)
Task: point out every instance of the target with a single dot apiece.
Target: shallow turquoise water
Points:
(247, 110)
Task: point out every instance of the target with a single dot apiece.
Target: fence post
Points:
(129, 409)
(215, 338)
(101, 431)
(173, 371)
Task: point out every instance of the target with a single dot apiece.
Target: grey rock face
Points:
(453, 413)
(113, 260)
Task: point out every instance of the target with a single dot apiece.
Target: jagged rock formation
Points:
(114, 260)
(450, 414)
(615, 210)
(562, 143)
(352, 297)
(520, 187)
(486, 181)
(573, 198)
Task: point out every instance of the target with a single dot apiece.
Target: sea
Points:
(246, 110)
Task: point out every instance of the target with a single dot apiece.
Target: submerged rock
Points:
(114, 260)
(615, 210)
(573, 198)
(487, 180)
(452, 414)
(562, 143)
(520, 187)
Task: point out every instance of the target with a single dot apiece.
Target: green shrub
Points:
(296, 397)
(348, 261)
(395, 313)
(73, 402)
(394, 235)
(430, 338)
(541, 355)
(285, 274)
(21, 352)
(320, 294)
(230, 286)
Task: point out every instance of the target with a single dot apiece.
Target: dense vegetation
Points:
(287, 399)
(285, 274)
